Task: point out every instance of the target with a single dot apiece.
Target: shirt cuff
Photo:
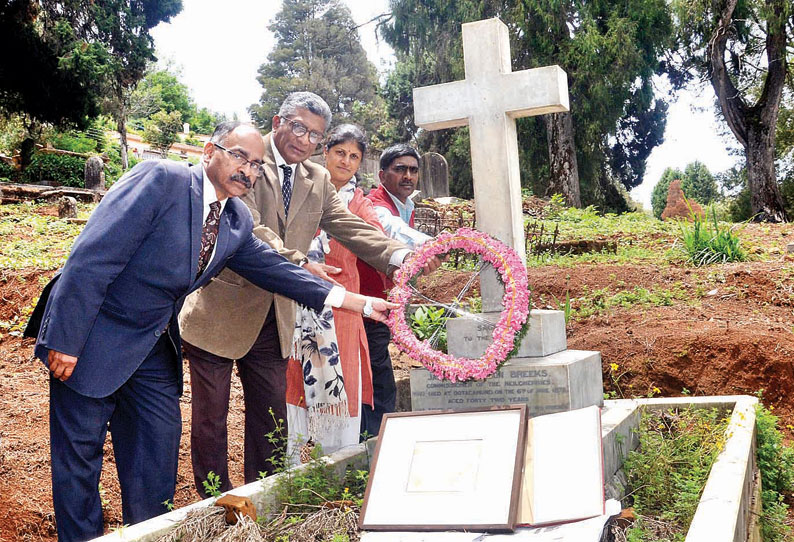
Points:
(398, 256)
(335, 297)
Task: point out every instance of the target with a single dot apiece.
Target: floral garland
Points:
(515, 301)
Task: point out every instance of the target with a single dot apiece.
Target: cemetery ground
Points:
(663, 327)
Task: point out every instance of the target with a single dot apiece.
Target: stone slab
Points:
(469, 338)
(563, 381)
(723, 514)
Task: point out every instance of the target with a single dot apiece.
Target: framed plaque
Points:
(442, 470)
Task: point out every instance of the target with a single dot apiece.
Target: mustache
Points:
(242, 179)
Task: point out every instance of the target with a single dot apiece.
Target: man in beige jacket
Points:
(231, 319)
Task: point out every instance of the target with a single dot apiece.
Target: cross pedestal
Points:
(489, 100)
(545, 374)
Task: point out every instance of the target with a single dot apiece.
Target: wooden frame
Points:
(443, 469)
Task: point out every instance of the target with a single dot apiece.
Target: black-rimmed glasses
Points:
(242, 160)
(299, 130)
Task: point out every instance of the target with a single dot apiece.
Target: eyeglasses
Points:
(401, 169)
(299, 130)
(241, 160)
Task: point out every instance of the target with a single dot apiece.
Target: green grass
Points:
(706, 241)
(641, 238)
(32, 241)
(604, 299)
(587, 223)
(667, 473)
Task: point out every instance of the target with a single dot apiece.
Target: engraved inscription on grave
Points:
(544, 389)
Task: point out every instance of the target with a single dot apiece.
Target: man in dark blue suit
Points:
(109, 332)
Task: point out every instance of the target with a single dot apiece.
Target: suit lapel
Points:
(271, 178)
(196, 215)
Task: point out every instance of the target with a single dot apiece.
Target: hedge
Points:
(63, 168)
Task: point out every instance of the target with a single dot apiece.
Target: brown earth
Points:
(729, 333)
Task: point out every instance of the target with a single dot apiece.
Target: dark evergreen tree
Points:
(699, 184)
(318, 49)
(70, 55)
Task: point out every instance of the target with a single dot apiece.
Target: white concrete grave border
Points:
(728, 508)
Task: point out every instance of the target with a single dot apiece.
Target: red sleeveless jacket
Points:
(373, 282)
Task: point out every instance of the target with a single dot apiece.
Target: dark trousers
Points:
(263, 373)
(384, 388)
(145, 426)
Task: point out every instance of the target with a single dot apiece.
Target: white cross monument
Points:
(489, 100)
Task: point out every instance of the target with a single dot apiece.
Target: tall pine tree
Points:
(318, 49)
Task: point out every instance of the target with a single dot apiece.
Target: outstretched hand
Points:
(61, 365)
(431, 265)
(323, 271)
(381, 308)
(357, 302)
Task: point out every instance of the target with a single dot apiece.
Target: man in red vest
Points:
(399, 175)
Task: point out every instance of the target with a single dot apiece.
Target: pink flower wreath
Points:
(515, 301)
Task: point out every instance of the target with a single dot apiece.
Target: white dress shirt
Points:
(397, 227)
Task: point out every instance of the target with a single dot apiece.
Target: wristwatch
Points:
(367, 310)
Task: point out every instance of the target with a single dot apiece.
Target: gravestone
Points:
(67, 207)
(545, 374)
(434, 180)
(94, 173)
(489, 100)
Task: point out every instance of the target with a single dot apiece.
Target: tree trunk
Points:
(563, 168)
(766, 201)
(121, 126)
(754, 126)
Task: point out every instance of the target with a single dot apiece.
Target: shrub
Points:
(740, 207)
(65, 169)
(74, 142)
(776, 463)
(5, 170)
(430, 323)
(670, 469)
(705, 241)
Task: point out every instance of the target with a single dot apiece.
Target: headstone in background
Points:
(95, 173)
(67, 207)
(434, 180)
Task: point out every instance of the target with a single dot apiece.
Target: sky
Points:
(217, 48)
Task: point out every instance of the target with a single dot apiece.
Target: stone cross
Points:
(489, 100)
